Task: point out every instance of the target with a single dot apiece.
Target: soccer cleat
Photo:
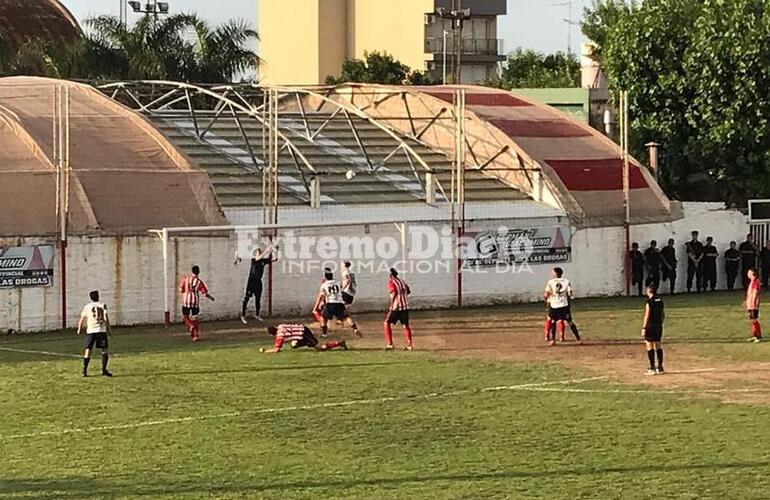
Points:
(85, 374)
(105, 373)
(408, 348)
(660, 370)
(757, 340)
(751, 339)
(551, 343)
(259, 318)
(244, 320)
(389, 347)
(649, 371)
(358, 332)
(344, 344)
(196, 339)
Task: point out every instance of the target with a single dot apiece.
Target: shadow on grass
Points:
(76, 487)
(258, 369)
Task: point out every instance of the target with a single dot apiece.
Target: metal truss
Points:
(418, 115)
(207, 106)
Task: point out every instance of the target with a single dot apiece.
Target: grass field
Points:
(482, 409)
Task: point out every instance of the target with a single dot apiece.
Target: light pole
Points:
(458, 16)
(569, 21)
(443, 70)
(153, 7)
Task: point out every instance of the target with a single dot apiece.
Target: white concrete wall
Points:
(129, 273)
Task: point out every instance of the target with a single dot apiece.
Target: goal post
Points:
(224, 252)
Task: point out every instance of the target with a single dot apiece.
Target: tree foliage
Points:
(180, 47)
(698, 79)
(602, 16)
(378, 67)
(526, 68)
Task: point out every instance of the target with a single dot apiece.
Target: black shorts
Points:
(394, 317)
(334, 310)
(653, 334)
(307, 340)
(560, 313)
(347, 298)
(753, 313)
(190, 311)
(96, 339)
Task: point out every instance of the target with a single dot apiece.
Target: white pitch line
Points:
(286, 409)
(644, 391)
(44, 353)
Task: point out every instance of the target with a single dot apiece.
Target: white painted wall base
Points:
(128, 272)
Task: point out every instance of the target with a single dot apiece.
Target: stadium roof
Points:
(529, 145)
(126, 177)
(48, 20)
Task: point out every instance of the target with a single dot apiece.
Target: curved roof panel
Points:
(125, 176)
(45, 19)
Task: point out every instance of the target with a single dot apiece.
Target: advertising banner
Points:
(536, 245)
(30, 266)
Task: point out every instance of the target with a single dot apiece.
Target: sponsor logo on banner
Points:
(26, 266)
(536, 245)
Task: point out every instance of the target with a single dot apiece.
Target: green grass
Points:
(471, 444)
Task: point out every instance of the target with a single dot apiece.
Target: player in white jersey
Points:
(558, 296)
(331, 305)
(349, 284)
(97, 322)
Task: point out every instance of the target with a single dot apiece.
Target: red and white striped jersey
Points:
(191, 287)
(288, 333)
(401, 291)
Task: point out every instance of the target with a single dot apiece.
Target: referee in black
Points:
(254, 283)
(652, 330)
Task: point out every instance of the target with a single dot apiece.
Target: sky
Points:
(537, 24)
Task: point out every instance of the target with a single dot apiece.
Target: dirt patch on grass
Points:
(499, 337)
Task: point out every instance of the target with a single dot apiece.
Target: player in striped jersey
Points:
(192, 287)
(332, 306)
(298, 336)
(398, 311)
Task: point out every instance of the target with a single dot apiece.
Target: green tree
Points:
(378, 67)
(180, 47)
(698, 79)
(602, 16)
(526, 68)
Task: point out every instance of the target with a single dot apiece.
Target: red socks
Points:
(195, 330)
(388, 334)
(547, 328)
(756, 329)
(561, 327)
(408, 334)
(330, 345)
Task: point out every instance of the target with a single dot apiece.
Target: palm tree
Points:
(179, 47)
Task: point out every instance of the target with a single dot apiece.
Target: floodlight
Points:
(163, 7)
(136, 6)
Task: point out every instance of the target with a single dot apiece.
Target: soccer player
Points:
(558, 295)
(298, 336)
(637, 267)
(652, 260)
(330, 297)
(652, 330)
(398, 310)
(668, 258)
(97, 321)
(349, 284)
(752, 305)
(694, 250)
(732, 263)
(191, 287)
(749, 252)
(254, 283)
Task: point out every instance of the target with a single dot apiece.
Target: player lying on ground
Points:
(298, 336)
(558, 296)
(752, 305)
(191, 287)
(97, 321)
(652, 330)
(331, 305)
(398, 310)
